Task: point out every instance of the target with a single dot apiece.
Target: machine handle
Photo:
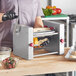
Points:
(62, 40)
(32, 44)
(51, 28)
(45, 26)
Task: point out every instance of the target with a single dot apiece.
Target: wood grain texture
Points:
(40, 65)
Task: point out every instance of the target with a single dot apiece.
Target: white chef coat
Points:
(27, 10)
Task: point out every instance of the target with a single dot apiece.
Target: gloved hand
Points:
(9, 16)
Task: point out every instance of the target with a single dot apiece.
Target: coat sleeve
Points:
(39, 9)
(2, 6)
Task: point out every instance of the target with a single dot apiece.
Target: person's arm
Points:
(38, 22)
(1, 14)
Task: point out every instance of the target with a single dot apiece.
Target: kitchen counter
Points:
(40, 65)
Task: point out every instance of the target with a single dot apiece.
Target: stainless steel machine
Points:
(23, 40)
(72, 29)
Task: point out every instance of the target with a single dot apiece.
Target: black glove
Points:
(9, 16)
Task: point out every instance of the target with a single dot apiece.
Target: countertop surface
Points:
(40, 65)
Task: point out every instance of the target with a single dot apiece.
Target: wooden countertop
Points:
(40, 65)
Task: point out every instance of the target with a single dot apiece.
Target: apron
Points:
(27, 10)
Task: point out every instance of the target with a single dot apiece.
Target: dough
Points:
(73, 56)
(73, 53)
(41, 29)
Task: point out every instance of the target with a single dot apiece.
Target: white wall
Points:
(44, 3)
(67, 6)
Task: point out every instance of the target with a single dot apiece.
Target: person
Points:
(29, 13)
